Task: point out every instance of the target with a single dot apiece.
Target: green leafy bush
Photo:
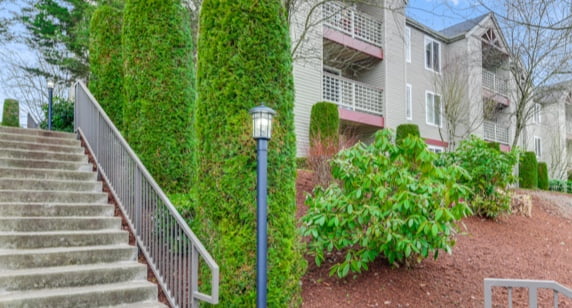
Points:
(244, 59)
(62, 115)
(159, 89)
(557, 185)
(404, 130)
(542, 176)
(11, 113)
(388, 200)
(490, 174)
(528, 171)
(325, 122)
(106, 61)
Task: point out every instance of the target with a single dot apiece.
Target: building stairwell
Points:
(60, 244)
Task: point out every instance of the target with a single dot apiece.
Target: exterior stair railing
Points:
(531, 285)
(171, 248)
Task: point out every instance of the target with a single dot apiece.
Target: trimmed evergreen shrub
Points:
(11, 113)
(325, 122)
(159, 88)
(105, 59)
(542, 176)
(528, 171)
(243, 60)
(62, 115)
(404, 130)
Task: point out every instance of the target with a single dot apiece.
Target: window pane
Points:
(436, 56)
(429, 108)
(428, 55)
(437, 110)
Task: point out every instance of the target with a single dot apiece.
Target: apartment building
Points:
(383, 69)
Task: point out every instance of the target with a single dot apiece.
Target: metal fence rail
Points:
(171, 248)
(352, 22)
(495, 132)
(351, 94)
(494, 83)
(531, 285)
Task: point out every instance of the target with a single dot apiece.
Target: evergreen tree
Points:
(243, 60)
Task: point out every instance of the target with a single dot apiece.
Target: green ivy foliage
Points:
(528, 171)
(542, 176)
(62, 115)
(490, 174)
(105, 58)
(325, 122)
(11, 113)
(243, 60)
(159, 88)
(404, 130)
(389, 200)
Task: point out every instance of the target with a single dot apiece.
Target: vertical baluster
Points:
(509, 297)
(532, 297)
(555, 299)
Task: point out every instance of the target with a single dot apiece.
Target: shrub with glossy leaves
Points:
(490, 174)
(542, 176)
(528, 171)
(11, 113)
(389, 201)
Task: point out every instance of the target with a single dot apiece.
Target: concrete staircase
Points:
(60, 245)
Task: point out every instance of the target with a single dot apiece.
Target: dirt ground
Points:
(537, 247)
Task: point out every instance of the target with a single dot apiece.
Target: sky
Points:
(436, 14)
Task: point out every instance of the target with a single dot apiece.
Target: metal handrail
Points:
(170, 247)
(531, 285)
(352, 22)
(351, 94)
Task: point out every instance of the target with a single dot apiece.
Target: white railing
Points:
(531, 285)
(352, 22)
(495, 132)
(171, 248)
(494, 83)
(351, 94)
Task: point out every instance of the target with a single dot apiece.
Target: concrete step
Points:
(147, 304)
(48, 174)
(4, 144)
(32, 184)
(36, 224)
(44, 164)
(47, 209)
(71, 276)
(89, 296)
(34, 240)
(52, 140)
(37, 132)
(12, 259)
(52, 196)
(42, 155)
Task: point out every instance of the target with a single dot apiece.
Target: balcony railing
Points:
(495, 84)
(495, 132)
(352, 95)
(352, 22)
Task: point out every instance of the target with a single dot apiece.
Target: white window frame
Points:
(435, 149)
(538, 147)
(432, 41)
(536, 116)
(407, 44)
(408, 102)
(431, 107)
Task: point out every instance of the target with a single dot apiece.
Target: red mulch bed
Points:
(539, 247)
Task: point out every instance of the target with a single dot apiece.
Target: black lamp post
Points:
(262, 128)
(50, 99)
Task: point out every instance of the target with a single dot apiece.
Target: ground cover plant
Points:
(388, 200)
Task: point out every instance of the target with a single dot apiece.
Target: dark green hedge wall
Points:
(11, 113)
(542, 176)
(159, 88)
(244, 59)
(528, 170)
(106, 64)
(404, 130)
(325, 122)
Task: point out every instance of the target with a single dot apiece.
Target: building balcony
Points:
(347, 27)
(495, 132)
(358, 102)
(495, 88)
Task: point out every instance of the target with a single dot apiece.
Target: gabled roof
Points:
(463, 27)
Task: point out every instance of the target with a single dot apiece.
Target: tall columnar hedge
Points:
(528, 171)
(542, 176)
(159, 88)
(243, 60)
(404, 130)
(11, 113)
(105, 58)
(325, 122)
